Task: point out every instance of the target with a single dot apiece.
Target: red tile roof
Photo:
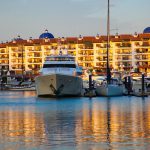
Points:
(145, 35)
(101, 39)
(3, 45)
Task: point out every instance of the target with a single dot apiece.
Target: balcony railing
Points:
(85, 54)
(123, 45)
(123, 53)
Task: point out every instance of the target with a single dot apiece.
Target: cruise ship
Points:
(60, 76)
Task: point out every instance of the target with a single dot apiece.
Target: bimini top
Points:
(46, 35)
(146, 30)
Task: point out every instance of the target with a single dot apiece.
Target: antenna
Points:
(115, 29)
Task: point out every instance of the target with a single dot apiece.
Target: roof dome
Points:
(46, 35)
(146, 30)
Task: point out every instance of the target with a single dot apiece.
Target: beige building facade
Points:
(127, 52)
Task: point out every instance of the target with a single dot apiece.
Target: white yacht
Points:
(60, 76)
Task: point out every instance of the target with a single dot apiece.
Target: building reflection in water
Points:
(99, 123)
(114, 123)
(21, 127)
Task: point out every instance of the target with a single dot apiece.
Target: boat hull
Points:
(58, 85)
(109, 90)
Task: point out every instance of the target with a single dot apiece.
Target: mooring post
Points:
(90, 82)
(125, 82)
(129, 85)
(143, 88)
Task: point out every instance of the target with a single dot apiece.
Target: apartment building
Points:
(127, 52)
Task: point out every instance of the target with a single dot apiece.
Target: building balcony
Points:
(35, 50)
(123, 45)
(101, 47)
(110, 60)
(123, 53)
(118, 59)
(34, 68)
(99, 59)
(38, 57)
(17, 68)
(86, 49)
(47, 53)
(143, 52)
(87, 61)
(16, 63)
(4, 58)
(34, 56)
(144, 66)
(145, 44)
(126, 58)
(4, 64)
(34, 62)
(142, 59)
(4, 61)
(72, 49)
(103, 54)
(17, 51)
(81, 54)
(17, 57)
(4, 52)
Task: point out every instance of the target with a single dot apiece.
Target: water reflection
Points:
(114, 124)
(21, 127)
(74, 123)
(17, 94)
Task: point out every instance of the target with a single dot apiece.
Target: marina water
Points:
(31, 123)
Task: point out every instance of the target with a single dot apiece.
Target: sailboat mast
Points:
(108, 42)
(108, 28)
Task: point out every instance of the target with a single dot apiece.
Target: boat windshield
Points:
(60, 59)
(59, 66)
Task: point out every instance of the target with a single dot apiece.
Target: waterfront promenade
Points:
(31, 123)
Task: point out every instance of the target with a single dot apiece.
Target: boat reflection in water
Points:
(74, 123)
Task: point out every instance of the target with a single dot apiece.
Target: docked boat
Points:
(60, 76)
(109, 88)
(140, 86)
(114, 88)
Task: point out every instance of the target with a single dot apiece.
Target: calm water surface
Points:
(31, 123)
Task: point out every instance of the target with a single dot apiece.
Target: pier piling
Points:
(90, 82)
(143, 82)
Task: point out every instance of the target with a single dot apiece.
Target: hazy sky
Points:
(71, 17)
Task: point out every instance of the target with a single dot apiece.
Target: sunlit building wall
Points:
(126, 52)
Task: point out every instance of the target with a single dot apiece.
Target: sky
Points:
(71, 18)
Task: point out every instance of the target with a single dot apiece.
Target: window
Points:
(59, 65)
